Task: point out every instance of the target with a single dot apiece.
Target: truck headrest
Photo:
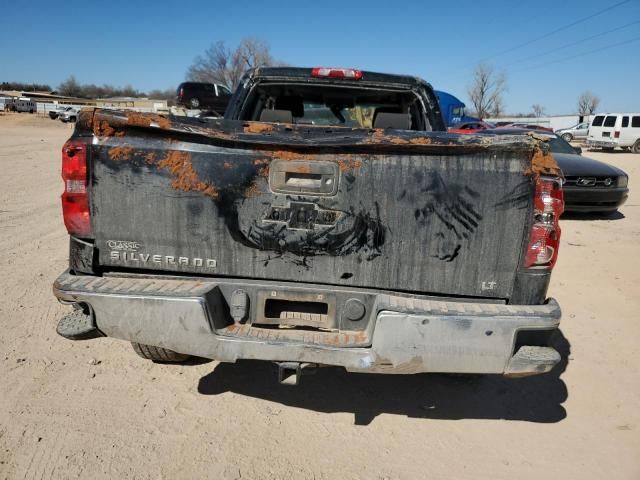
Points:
(292, 103)
(276, 116)
(399, 121)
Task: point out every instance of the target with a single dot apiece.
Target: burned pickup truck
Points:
(328, 219)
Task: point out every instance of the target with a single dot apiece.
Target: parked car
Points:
(589, 185)
(69, 115)
(54, 114)
(261, 236)
(611, 130)
(528, 126)
(200, 95)
(578, 131)
(470, 127)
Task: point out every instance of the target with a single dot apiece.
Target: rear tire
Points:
(194, 103)
(158, 354)
(567, 137)
(636, 147)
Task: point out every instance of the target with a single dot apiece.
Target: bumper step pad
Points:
(530, 360)
(77, 325)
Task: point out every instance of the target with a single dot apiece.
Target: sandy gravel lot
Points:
(95, 410)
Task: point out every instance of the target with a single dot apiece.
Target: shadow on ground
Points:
(436, 396)
(617, 215)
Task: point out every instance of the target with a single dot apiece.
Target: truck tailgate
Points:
(410, 211)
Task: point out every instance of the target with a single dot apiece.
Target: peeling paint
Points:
(185, 178)
(258, 127)
(146, 119)
(103, 129)
(120, 153)
(543, 163)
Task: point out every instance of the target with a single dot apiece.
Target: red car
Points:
(469, 127)
(529, 126)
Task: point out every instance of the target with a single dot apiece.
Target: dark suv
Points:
(204, 95)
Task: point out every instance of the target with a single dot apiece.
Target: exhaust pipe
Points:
(289, 373)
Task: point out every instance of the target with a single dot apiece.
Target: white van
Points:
(611, 130)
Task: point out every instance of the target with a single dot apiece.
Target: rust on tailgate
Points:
(543, 163)
(185, 178)
(120, 153)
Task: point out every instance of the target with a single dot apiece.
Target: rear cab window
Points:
(597, 122)
(610, 121)
(334, 105)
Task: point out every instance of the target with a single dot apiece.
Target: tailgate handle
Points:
(301, 176)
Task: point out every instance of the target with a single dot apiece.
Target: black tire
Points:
(72, 119)
(567, 137)
(636, 147)
(194, 103)
(158, 354)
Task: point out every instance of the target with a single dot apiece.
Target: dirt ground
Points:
(96, 410)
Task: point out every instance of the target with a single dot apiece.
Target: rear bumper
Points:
(404, 335)
(601, 143)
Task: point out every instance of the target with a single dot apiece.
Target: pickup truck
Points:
(328, 219)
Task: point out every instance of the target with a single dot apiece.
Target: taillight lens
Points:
(331, 72)
(544, 238)
(616, 134)
(75, 201)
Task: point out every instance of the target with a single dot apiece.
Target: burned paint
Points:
(518, 197)
(150, 158)
(356, 232)
(258, 127)
(347, 163)
(289, 155)
(102, 128)
(448, 211)
(185, 178)
(543, 163)
(120, 153)
(147, 119)
(420, 141)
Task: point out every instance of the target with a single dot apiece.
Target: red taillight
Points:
(616, 134)
(75, 202)
(331, 72)
(544, 238)
(181, 92)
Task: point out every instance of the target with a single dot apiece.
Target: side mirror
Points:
(578, 150)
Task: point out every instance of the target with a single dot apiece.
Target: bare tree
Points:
(220, 64)
(70, 87)
(538, 110)
(498, 108)
(587, 103)
(486, 90)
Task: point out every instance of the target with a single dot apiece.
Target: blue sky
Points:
(151, 44)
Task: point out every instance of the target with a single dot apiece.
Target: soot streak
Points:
(449, 211)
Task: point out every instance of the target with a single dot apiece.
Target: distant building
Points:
(47, 100)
